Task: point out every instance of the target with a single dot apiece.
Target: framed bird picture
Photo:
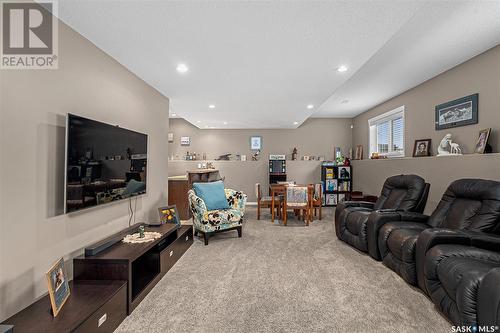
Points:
(169, 214)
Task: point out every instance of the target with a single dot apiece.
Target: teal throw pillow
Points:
(212, 194)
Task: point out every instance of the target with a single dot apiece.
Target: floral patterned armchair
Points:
(208, 222)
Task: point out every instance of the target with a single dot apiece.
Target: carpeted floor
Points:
(282, 279)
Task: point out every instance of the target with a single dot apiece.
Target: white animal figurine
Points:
(448, 147)
(455, 148)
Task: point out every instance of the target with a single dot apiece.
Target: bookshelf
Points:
(337, 183)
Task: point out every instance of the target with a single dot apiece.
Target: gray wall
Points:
(33, 231)
(478, 75)
(316, 137)
(243, 175)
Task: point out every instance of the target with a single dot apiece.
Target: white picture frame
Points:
(185, 140)
(255, 143)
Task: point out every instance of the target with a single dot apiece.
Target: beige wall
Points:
(33, 230)
(243, 175)
(478, 75)
(316, 137)
(369, 175)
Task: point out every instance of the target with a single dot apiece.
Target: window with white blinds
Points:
(387, 133)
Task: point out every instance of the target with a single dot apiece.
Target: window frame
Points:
(389, 116)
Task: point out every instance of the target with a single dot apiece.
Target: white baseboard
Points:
(252, 203)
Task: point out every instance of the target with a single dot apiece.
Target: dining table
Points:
(279, 189)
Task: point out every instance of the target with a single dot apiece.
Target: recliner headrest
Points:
(401, 192)
(472, 204)
(474, 189)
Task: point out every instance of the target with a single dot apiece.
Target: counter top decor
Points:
(136, 238)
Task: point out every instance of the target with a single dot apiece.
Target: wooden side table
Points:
(178, 188)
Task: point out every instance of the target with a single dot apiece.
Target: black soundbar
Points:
(106, 243)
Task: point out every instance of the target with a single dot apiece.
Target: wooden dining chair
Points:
(317, 201)
(298, 198)
(266, 202)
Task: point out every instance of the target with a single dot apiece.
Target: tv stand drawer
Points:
(89, 302)
(109, 316)
(174, 251)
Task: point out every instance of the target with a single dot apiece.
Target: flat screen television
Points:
(104, 163)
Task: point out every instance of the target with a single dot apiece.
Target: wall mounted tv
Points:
(104, 163)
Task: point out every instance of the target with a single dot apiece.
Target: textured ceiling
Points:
(261, 63)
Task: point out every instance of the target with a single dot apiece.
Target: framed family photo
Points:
(460, 112)
(482, 142)
(422, 148)
(58, 285)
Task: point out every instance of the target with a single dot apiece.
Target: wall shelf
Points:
(490, 155)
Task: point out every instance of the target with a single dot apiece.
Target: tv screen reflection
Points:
(105, 163)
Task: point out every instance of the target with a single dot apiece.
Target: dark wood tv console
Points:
(93, 306)
(141, 265)
(109, 285)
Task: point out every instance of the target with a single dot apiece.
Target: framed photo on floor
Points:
(57, 282)
(422, 148)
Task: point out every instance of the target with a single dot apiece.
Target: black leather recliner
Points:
(467, 204)
(489, 299)
(460, 271)
(402, 192)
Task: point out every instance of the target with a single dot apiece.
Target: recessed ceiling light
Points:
(342, 68)
(295, 122)
(344, 101)
(225, 123)
(310, 106)
(174, 114)
(198, 121)
(182, 68)
(211, 106)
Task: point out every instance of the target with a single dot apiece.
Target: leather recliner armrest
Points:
(413, 217)
(346, 204)
(484, 241)
(488, 300)
(436, 236)
(432, 237)
(364, 204)
(380, 217)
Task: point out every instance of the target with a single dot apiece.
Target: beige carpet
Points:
(282, 279)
